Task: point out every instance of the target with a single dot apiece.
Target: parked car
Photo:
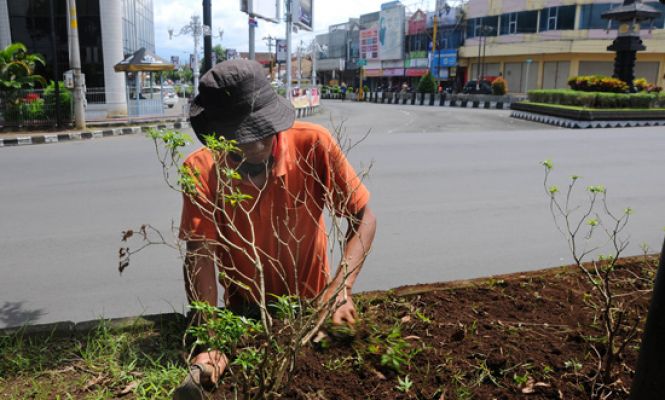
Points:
(471, 87)
(170, 96)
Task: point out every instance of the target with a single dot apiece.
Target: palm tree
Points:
(17, 68)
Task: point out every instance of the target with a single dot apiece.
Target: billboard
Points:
(391, 33)
(445, 17)
(264, 9)
(281, 50)
(444, 58)
(301, 12)
(369, 44)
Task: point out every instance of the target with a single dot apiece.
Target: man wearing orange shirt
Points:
(293, 171)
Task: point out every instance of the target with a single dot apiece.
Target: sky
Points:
(226, 15)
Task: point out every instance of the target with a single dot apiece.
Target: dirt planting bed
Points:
(529, 335)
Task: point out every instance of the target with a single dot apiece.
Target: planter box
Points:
(591, 115)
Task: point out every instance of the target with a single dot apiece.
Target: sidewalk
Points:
(94, 130)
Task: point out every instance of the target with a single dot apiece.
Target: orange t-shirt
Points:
(284, 220)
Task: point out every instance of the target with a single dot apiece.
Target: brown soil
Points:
(519, 336)
(489, 339)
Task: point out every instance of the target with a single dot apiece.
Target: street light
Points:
(195, 29)
(315, 48)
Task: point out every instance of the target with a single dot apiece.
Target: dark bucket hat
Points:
(236, 101)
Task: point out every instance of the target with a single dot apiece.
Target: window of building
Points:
(512, 23)
(659, 22)
(591, 16)
(519, 22)
(557, 18)
(488, 25)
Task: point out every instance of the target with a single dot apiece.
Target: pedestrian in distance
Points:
(343, 89)
(293, 171)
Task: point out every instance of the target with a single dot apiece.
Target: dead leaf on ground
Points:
(531, 386)
(93, 382)
(129, 388)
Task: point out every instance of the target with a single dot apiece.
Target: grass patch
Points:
(103, 364)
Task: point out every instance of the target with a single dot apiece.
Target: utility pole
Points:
(56, 71)
(75, 64)
(289, 28)
(270, 40)
(315, 51)
(300, 65)
(435, 27)
(252, 28)
(480, 39)
(207, 39)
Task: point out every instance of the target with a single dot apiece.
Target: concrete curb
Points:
(68, 328)
(418, 99)
(96, 134)
(575, 124)
(103, 132)
(306, 111)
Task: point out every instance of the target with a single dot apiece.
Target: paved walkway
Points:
(93, 131)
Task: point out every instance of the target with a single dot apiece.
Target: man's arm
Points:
(201, 285)
(359, 238)
(199, 271)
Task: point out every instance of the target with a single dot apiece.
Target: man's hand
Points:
(213, 362)
(345, 310)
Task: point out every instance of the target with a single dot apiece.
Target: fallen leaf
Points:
(320, 335)
(129, 388)
(406, 318)
(93, 382)
(378, 374)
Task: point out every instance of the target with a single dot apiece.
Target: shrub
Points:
(65, 101)
(427, 84)
(596, 99)
(597, 83)
(366, 89)
(641, 84)
(499, 87)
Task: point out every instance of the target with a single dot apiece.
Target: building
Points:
(338, 53)
(392, 47)
(540, 44)
(109, 30)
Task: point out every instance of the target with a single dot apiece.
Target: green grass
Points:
(98, 365)
(580, 108)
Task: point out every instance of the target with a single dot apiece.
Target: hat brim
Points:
(274, 117)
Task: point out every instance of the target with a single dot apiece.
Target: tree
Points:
(220, 52)
(427, 84)
(17, 68)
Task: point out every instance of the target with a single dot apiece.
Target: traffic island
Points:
(582, 118)
(595, 102)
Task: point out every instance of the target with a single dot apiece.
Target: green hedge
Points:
(569, 97)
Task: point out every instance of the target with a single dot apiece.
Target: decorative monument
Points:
(629, 17)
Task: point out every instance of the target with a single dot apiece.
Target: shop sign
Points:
(393, 72)
(416, 71)
(369, 73)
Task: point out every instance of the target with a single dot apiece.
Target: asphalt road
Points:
(458, 194)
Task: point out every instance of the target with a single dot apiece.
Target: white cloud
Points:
(226, 15)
